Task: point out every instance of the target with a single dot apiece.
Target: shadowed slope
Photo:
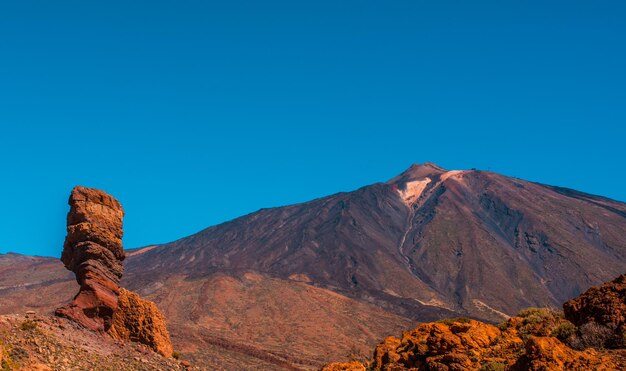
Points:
(427, 243)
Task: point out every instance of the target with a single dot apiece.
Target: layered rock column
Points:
(93, 251)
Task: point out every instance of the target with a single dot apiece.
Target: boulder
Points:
(604, 305)
(548, 353)
(137, 319)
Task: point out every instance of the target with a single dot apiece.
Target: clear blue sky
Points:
(196, 112)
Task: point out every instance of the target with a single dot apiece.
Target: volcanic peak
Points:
(418, 171)
(412, 183)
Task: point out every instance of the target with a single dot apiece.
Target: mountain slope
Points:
(223, 321)
(426, 243)
(42, 342)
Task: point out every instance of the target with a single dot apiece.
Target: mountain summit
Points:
(419, 171)
(425, 243)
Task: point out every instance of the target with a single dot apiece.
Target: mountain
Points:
(424, 244)
(300, 285)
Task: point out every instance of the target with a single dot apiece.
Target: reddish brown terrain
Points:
(300, 285)
(535, 339)
(93, 251)
(46, 343)
(605, 305)
(227, 322)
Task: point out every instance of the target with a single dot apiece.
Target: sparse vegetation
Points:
(28, 325)
(175, 355)
(592, 335)
(538, 315)
(564, 331)
(7, 362)
(356, 354)
(539, 322)
(449, 321)
(27, 344)
(11, 357)
(537, 338)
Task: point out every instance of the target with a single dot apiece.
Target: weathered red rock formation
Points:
(536, 339)
(474, 345)
(93, 250)
(137, 319)
(548, 353)
(605, 305)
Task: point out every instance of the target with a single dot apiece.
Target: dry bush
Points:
(592, 335)
(28, 325)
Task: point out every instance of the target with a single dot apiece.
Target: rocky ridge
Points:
(535, 339)
(603, 307)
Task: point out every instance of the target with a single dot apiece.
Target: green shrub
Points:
(175, 355)
(449, 321)
(7, 363)
(537, 315)
(28, 325)
(564, 331)
(12, 356)
(538, 322)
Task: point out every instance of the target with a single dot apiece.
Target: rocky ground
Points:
(589, 335)
(526, 342)
(33, 342)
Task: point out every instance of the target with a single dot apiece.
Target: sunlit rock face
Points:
(93, 251)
